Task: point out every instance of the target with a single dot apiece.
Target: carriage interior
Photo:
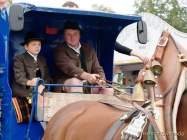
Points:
(100, 30)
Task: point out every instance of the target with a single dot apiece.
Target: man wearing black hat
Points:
(27, 68)
(76, 62)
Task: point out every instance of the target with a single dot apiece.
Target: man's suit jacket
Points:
(68, 62)
(24, 69)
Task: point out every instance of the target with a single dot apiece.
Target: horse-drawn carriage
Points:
(91, 120)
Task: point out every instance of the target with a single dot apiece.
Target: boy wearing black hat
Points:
(28, 67)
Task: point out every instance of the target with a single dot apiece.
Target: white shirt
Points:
(34, 56)
(77, 50)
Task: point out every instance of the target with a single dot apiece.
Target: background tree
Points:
(9, 2)
(102, 8)
(168, 10)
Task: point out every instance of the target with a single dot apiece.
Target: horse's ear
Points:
(16, 17)
(142, 32)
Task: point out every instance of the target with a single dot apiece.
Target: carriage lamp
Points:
(156, 68)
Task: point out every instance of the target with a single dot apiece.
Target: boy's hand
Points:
(40, 89)
(31, 82)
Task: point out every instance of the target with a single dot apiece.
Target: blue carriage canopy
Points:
(99, 29)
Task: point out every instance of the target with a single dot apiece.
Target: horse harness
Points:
(124, 118)
(141, 114)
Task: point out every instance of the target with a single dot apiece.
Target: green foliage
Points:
(9, 2)
(168, 10)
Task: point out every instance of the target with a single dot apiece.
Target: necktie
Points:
(38, 73)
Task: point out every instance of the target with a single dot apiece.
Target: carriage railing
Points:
(48, 88)
(109, 84)
(130, 88)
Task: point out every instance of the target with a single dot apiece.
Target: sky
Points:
(119, 6)
(183, 3)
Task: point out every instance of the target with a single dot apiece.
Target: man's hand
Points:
(143, 58)
(101, 82)
(91, 78)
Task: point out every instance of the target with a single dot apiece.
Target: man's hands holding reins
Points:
(93, 78)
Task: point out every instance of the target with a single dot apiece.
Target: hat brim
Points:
(61, 31)
(32, 39)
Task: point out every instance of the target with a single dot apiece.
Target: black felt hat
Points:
(70, 25)
(31, 36)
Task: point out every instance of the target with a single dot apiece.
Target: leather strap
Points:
(111, 132)
(161, 46)
(152, 121)
(119, 122)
